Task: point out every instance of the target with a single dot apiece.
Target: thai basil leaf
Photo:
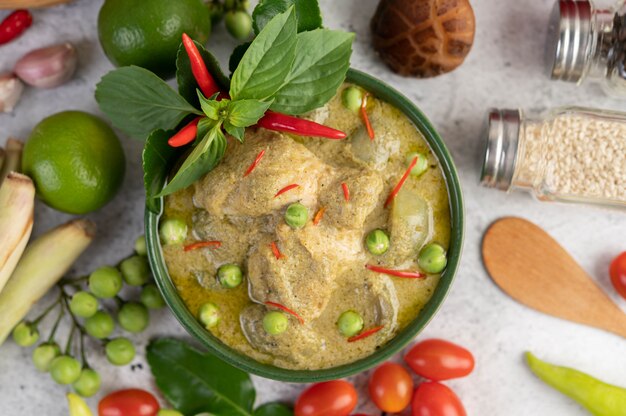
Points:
(236, 132)
(158, 158)
(307, 11)
(322, 61)
(139, 102)
(187, 84)
(195, 382)
(273, 409)
(267, 62)
(236, 56)
(204, 157)
(212, 108)
(244, 113)
(204, 125)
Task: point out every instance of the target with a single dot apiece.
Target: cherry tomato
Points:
(331, 398)
(435, 399)
(129, 402)
(391, 387)
(436, 359)
(618, 274)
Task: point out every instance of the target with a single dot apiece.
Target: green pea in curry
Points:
(315, 273)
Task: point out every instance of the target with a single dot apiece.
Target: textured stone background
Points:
(505, 69)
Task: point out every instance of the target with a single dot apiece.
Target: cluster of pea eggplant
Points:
(235, 14)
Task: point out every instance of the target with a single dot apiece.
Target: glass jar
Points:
(568, 154)
(585, 42)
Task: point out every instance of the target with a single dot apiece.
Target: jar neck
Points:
(529, 168)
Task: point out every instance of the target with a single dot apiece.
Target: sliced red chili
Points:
(346, 192)
(286, 309)
(299, 126)
(366, 119)
(286, 189)
(14, 25)
(201, 244)
(276, 251)
(256, 162)
(318, 216)
(396, 273)
(366, 334)
(397, 188)
(185, 135)
(203, 77)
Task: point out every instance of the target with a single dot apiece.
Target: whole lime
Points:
(75, 160)
(147, 33)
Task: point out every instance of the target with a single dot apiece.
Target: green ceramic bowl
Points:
(175, 303)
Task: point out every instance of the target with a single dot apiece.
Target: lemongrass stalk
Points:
(43, 263)
(17, 202)
(12, 158)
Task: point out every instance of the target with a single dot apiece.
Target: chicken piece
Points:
(225, 191)
(364, 187)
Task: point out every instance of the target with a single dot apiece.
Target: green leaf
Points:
(195, 382)
(307, 11)
(236, 132)
(244, 113)
(204, 157)
(204, 126)
(138, 102)
(273, 409)
(322, 61)
(237, 55)
(187, 84)
(267, 62)
(158, 158)
(213, 108)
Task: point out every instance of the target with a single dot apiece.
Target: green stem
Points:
(68, 346)
(47, 311)
(56, 323)
(82, 350)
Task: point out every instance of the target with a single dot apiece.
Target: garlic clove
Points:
(10, 92)
(48, 67)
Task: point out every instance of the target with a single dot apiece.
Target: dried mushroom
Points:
(423, 38)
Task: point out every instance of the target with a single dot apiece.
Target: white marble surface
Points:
(504, 69)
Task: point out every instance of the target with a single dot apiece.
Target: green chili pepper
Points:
(601, 399)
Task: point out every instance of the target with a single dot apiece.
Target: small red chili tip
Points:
(299, 126)
(366, 119)
(201, 244)
(203, 77)
(396, 273)
(276, 251)
(366, 334)
(256, 162)
(396, 189)
(186, 135)
(286, 189)
(14, 25)
(286, 309)
(318, 216)
(346, 192)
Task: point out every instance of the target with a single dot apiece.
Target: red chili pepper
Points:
(185, 135)
(318, 216)
(286, 188)
(201, 244)
(256, 162)
(397, 273)
(14, 25)
(346, 192)
(366, 119)
(286, 309)
(299, 126)
(396, 189)
(276, 251)
(205, 80)
(366, 334)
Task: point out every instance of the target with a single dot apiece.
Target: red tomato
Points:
(331, 398)
(391, 387)
(129, 402)
(436, 359)
(618, 274)
(435, 399)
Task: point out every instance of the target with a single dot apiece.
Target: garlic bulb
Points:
(47, 67)
(10, 92)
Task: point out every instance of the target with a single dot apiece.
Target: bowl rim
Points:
(404, 337)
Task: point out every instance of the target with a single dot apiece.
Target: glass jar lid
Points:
(501, 135)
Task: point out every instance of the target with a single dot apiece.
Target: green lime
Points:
(75, 160)
(147, 33)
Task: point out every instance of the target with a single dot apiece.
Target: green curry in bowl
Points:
(298, 253)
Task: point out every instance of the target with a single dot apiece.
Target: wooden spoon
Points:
(23, 4)
(532, 268)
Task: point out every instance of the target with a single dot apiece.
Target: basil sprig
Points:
(292, 66)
